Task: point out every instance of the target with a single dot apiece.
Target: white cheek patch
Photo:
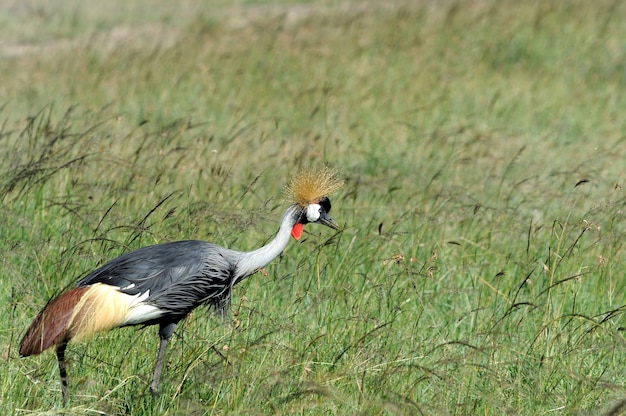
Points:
(313, 212)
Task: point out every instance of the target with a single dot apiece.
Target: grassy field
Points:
(481, 266)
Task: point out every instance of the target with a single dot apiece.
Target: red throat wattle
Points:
(296, 231)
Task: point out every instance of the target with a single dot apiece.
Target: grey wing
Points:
(177, 276)
(211, 284)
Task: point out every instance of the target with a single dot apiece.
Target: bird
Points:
(161, 284)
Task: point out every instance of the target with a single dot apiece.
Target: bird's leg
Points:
(165, 332)
(61, 346)
(158, 368)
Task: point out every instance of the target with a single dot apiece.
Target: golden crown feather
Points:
(311, 185)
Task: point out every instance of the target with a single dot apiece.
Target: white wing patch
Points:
(139, 312)
(139, 297)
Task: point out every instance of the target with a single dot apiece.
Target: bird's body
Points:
(165, 282)
(159, 284)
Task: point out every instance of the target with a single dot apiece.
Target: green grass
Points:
(481, 268)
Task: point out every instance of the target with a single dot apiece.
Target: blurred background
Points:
(481, 265)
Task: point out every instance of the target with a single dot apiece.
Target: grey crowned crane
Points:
(163, 283)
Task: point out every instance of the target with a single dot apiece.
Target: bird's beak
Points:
(324, 219)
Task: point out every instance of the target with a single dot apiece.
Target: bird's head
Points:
(316, 212)
(309, 192)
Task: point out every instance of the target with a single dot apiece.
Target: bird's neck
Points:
(252, 261)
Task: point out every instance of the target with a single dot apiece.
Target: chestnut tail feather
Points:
(51, 325)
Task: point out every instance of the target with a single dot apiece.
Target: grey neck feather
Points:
(252, 261)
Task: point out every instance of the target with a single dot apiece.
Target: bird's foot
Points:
(155, 390)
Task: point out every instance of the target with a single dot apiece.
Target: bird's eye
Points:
(325, 203)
